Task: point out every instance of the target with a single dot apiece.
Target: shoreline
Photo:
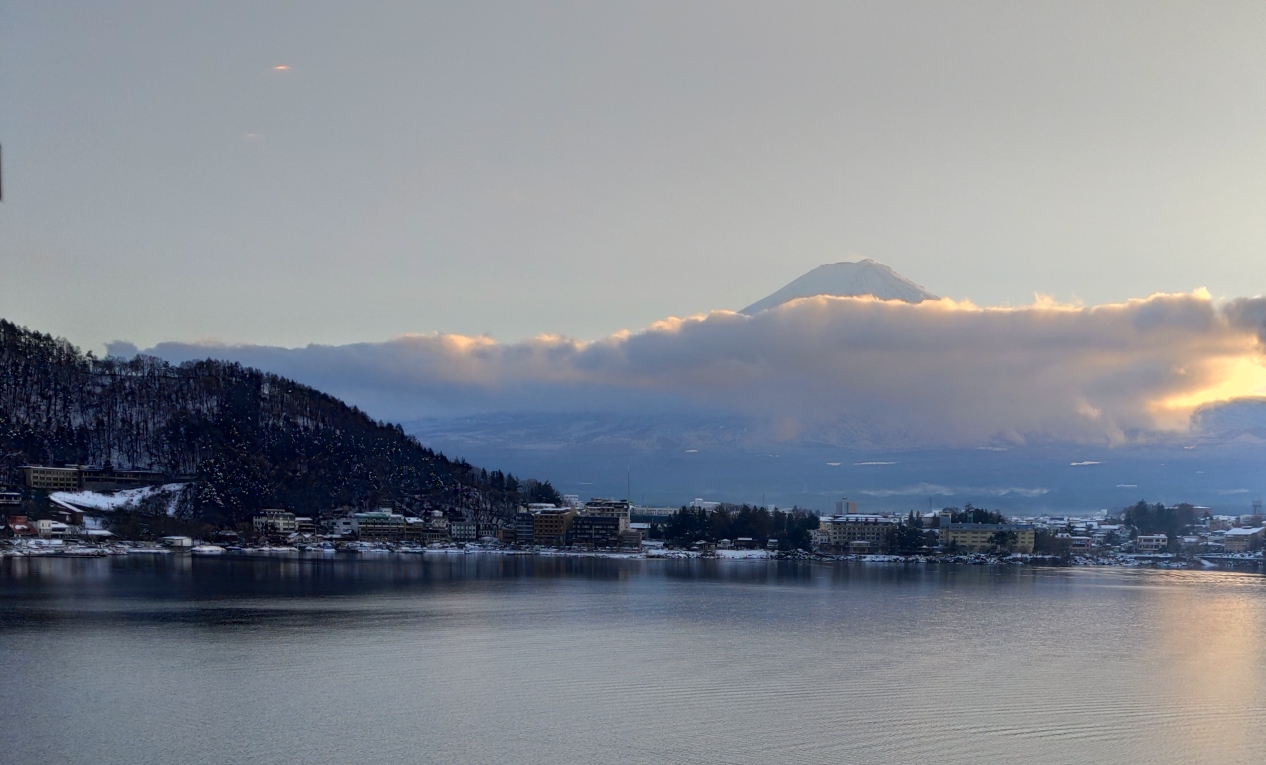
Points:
(384, 550)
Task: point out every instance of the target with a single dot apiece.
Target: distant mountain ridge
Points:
(865, 277)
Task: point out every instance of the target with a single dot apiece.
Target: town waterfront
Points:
(498, 658)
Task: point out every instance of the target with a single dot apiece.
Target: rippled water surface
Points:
(499, 659)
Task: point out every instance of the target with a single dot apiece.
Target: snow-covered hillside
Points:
(128, 499)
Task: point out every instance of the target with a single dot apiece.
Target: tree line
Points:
(244, 439)
(789, 528)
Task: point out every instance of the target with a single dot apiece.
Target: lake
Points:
(496, 659)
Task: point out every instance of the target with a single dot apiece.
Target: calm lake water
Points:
(501, 659)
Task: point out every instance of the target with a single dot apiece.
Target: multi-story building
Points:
(47, 529)
(595, 531)
(426, 532)
(633, 536)
(550, 527)
(1243, 540)
(1151, 543)
(379, 526)
(344, 526)
(619, 509)
(465, 530)
(89, 477)
(980, 537)
(838, 532)
(524, 527)
(1080, 543)
(275, 523)
(108, 479)
(52, 478)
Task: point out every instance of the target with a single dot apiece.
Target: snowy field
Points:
(127, 499)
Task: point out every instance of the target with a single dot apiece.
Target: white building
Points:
(51, 529)
(275, 522)
(610, 508)
(1151, 543)
(465, 530)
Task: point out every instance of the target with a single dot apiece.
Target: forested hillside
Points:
(244, 439)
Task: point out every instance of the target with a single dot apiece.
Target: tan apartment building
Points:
(1151, 543)
(840, 532)
(979, 537)
(81, 477)
(550, 527)
(52, 478)
(1243, 540)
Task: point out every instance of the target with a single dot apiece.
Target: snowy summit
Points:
(865, 277)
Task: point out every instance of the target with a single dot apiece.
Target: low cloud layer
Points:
(938, 490)
(833, 369)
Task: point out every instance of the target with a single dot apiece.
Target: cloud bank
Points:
(939, 372)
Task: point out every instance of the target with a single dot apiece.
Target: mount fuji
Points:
(865, 277)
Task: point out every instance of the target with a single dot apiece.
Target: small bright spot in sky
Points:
(833, 464)
(691, 451)
(281, 68)
(1080, 464)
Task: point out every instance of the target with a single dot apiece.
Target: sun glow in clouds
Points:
(836, 369)
(1239, 377)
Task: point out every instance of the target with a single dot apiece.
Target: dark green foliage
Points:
(142, 525)
(1157, 519)
(905, 538)
(789, 528)
(1003, 539)
(245, 439)
(1046, 543)
(971, 514)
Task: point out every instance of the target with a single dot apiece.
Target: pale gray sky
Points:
(584, 167)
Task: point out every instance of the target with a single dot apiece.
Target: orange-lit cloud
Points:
(835, 369)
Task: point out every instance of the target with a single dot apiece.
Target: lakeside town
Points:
(84, 511)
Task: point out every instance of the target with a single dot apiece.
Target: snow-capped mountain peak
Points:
(865, 277)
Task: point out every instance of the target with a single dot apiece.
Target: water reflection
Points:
(495, 658)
